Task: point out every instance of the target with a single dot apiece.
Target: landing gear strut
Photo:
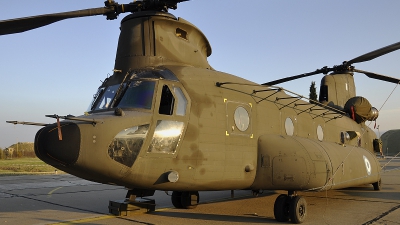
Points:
(131, 205)
(291, 207)
(377, 185)
(185, 199)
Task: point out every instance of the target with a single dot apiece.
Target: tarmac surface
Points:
(65, 199)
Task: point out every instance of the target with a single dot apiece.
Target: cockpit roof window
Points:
(168, 75)
(159, 73)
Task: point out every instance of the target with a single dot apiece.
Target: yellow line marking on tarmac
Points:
(86, 220)
(51, 192)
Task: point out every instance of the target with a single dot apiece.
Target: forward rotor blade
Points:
(379, 76)
(28, 23)
(27, 123)
(286, 79)
(375, 54)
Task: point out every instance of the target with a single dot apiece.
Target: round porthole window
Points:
(242, 119)
(289, 127)
(320, 133)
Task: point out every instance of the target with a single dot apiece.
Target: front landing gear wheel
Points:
(297, 209)
(281, 208)
(176, 199)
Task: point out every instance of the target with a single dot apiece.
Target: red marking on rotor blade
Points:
(59, 129)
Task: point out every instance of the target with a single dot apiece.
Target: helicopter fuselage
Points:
(214, 138)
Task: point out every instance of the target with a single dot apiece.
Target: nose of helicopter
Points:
(52, 150)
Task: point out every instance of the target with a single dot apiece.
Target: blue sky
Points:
(56, 69)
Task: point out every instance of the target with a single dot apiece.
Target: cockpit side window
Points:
(107, 97)
(182, 102)
(96, 99)
(166, 136)
(167, 101)
(171, 120)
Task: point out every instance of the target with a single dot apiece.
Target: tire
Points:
(176, 199)
(190, 199)
(298, 209)
(377, 185)
(281, 208)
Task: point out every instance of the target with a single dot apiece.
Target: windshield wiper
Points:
(118, 94)
(119, 97)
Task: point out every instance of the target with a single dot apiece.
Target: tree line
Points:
(18, 150)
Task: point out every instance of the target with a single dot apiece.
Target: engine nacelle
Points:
(360, 110)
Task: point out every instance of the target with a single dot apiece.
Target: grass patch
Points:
(24, 165)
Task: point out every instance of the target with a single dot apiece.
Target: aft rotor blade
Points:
(379, 76)
(286, 79)
(28, 23)
(375, 54)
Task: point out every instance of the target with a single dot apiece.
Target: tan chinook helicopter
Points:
(166, 120)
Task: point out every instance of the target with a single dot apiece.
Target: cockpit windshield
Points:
(135, 91)
(132, 94)
(137, 94)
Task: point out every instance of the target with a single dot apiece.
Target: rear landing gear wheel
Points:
(176, 199)
(281, 208)
(297, 209)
